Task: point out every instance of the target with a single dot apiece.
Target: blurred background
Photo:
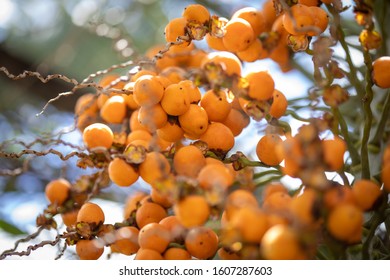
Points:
(76, 38)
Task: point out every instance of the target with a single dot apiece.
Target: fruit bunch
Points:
(172, 123)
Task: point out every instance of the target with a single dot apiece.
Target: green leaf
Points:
(7, 227)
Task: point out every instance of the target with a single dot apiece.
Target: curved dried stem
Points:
(46, 79)
(43, 153)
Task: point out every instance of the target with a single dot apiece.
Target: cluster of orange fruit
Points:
(192, 105)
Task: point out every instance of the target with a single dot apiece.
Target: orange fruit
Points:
(148, 254)
(380, 73)
(300, 19)
(366, 193)
(126, 240)
(132, 203)
(229, 62)
(344, 221)
(90, 213)
(266, 149)
(215, 177)
(176, 254)
(195, 121)
(176, 100)
(170, 132)
(98, 135)
(192, 210)
(155, 237)
(155, 167)
(148, 90)
(188, 161)
(254, 17)
(197, 13)
(279, 104)
(261, 85)
(149, 212)
(152, 117)
(218, 137)
(89, 249)
(216, 104)
(201, 242)
(281, 242)
(236, 121)
(334, 150)
(238, 35)
(114, 109)
(57, 191)
(122, 173)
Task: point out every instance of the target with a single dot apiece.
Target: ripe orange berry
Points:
(344, 221)
(57, 191)
(192, 89)
(215, 43)
(134, 123)
(149, 212)
(121, 173)
(254, 17)
(305, 208)
(366, 193)
(162, 197)
(215, 177)
(175, 28)
(334, 150)
(70, 218)
(229, 62)
(171, 132)
(385, 177)
(279, 104)
(266, 149)
(138, 135)
(281, 242)
(195, 121)
(86, 104)
(126, 240)
(192, 210)
(273, 188)
(236, 121)
(253, 52)
(216, 104)
(152, 117)
(148, 90)
(132, 203)
(261, 85)
(338, 195)
(175, 227)
(90, 213)
(201, 242)
(238, 199)
(238, 35)
(380, 72)
(218, 137)
(196, 13)
(299, 21)
(155, 237)
(148, 254)
(98, 135)
(251, 223)
(176, 100)
(188, 161)
(114, 110)
(321, 20)
(176, 254)
(155, 167)
(278, 202)
(89, 249)
(269, 14)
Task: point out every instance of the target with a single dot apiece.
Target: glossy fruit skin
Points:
(202, 242)
(266, 149)
(88, 249)
(126, 240)
(345, 222)
(238, 35)
(281, 242)
(176, 254)
(57, 191)
(122, 173)
(188, 161)
(197, 13)
(193, 210)
(366, 193)
(154, 236)
(380, 72)
(149, 212)
(148, 254)
(98, 135)
(91, 213)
